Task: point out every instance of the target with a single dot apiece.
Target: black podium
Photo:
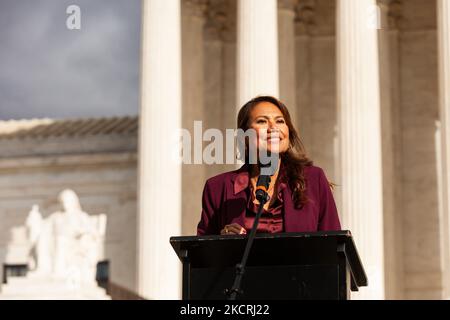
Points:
(318, 265)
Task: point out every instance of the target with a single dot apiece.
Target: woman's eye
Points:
(261, 121)
(280, 121)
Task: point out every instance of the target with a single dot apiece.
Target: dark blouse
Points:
(271, 220)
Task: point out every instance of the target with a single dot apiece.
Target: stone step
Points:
(53, 297)
(49, 288)
(37, 280)
(61, 286)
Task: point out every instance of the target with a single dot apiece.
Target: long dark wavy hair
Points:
(294, 160)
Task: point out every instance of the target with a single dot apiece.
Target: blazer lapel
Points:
(236, 199)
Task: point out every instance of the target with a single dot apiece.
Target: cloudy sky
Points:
(47, 70)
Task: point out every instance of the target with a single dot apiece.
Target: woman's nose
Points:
(273, 126)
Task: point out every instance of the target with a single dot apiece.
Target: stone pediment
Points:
(46, 128)
(45, 137)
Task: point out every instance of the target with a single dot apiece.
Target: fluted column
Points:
(286, 26)
(360, 137)
(193, 175)
(159, 177)
(443, 12)
(257, 49)
(219, 113)
(390, 124)
(229, 98)
(215, 25)
(304, 25)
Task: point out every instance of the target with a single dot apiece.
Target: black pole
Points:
(262, 197)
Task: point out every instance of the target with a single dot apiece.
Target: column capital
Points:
(305, 16)
(220, 23)
(287, 5)
(393, 9)
(195, 8)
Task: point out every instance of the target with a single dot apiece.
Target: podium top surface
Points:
(271, 249)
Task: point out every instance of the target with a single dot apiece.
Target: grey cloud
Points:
(47, 70)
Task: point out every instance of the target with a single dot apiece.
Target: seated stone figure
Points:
(68, 243)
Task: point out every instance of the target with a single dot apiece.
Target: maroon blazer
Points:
(224, 202)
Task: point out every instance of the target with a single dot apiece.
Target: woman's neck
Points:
(255, 171)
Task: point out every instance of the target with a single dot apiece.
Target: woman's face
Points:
(271, 128)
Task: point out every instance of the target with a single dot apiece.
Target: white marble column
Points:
(287, 55)
(217, 111)
(193, 175)
(390, 127)
(304, 23)
(230, 71)
(360, 137)
(257, 49)
(391, 147)
(443, 13)
(216, 17)
(230, 52)
(159, 196)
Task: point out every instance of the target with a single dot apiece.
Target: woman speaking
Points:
(300, 196)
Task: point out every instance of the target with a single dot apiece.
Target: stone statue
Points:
(34, 228)
(66, 243)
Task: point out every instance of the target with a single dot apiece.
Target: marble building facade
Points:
(376, 102)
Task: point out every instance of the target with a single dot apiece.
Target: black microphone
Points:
(262, 185)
